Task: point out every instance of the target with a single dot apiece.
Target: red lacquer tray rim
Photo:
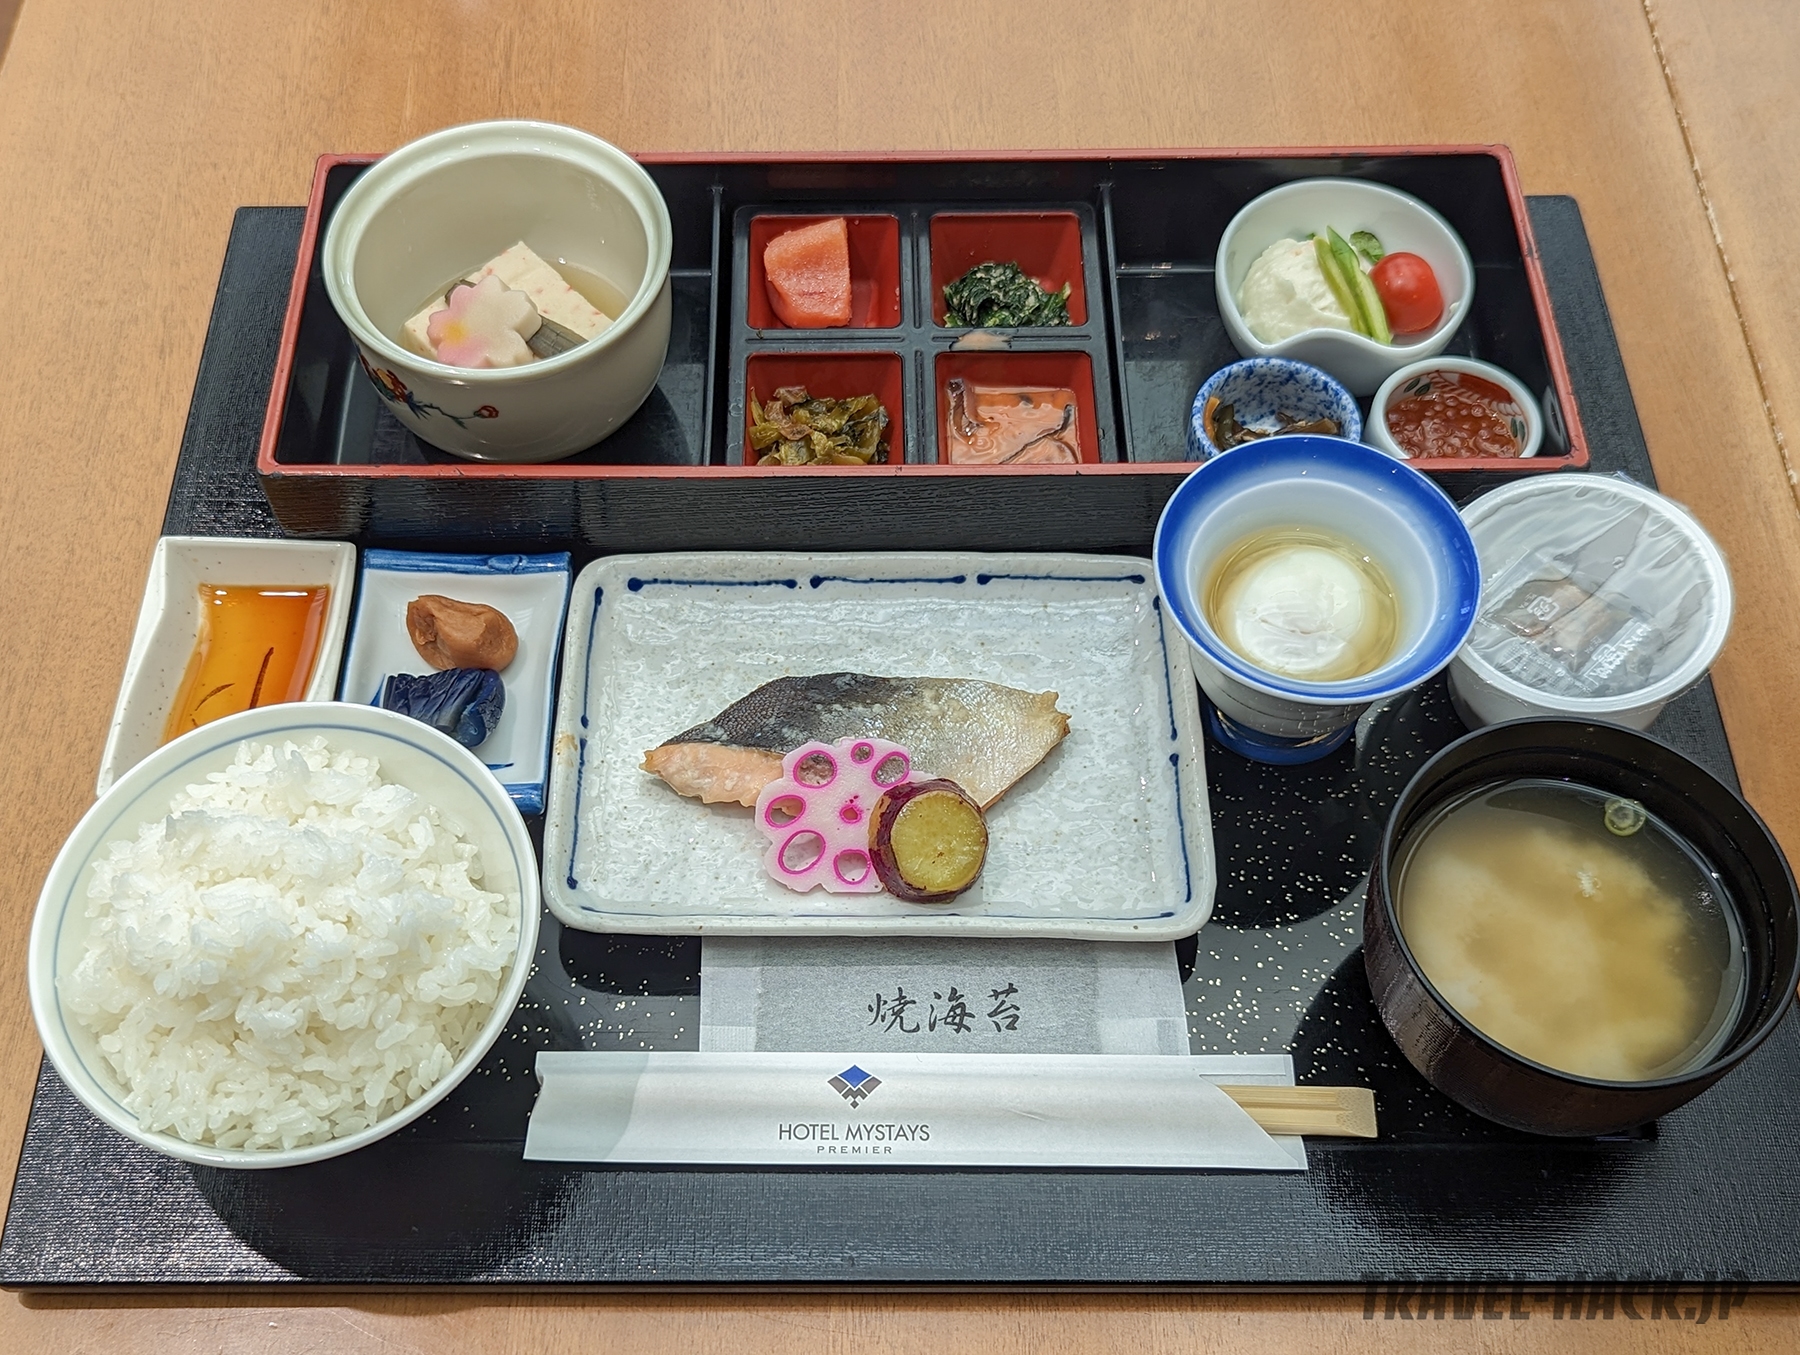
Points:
(269, 468)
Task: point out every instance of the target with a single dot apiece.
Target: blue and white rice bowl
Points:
(1406, 524)
(1259, 389)
(442, 774)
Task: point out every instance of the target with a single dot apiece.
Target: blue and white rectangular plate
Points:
(1109, 838)
(533, 591)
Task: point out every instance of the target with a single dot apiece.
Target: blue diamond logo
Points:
(854, 1085)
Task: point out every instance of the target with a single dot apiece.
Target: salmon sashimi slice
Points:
(808, 271)
(980, 735)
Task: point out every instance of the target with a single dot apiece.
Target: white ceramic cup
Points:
(1308, 206)
(1483, 695)
(1375, 429)
(438, 209)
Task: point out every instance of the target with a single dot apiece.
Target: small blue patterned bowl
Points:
(1261, 388)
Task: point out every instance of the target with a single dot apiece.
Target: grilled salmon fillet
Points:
(980, 735)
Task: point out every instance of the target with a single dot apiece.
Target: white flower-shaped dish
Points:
(411, 754)
(533, 591)
(168, 626)
(1401, 222)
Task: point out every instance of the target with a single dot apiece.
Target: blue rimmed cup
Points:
(1409, 527)
(1260, 390)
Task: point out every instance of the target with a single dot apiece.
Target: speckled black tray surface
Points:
(1711, 1191)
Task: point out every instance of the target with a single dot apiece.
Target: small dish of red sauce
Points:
(1439, 414)
(1456, 411)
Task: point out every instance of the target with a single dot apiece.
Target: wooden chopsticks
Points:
(1324, 1112)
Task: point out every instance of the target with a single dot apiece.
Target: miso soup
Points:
(1573, 928)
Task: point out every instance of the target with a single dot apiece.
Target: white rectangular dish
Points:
(168, 625)
(1109, 838)
(533, 591)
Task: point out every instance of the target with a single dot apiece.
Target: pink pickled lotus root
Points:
(817, 815)
(483, 324)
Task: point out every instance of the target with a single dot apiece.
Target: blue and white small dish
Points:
(533, 592)
(1260, 389)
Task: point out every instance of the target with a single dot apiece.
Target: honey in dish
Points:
(256, 647)
(1573, 929)
(1302, 603)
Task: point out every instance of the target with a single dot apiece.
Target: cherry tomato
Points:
(1409, 293)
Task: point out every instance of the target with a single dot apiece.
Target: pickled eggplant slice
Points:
(928, 840)
(465, 703)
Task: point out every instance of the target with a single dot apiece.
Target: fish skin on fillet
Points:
(981, 735)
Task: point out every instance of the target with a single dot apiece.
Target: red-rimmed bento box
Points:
(1135, 233)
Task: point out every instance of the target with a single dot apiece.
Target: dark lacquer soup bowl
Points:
(1732, 845)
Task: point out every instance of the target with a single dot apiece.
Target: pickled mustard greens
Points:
(1002, 296)
(793, 429)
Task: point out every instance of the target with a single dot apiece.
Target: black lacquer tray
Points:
(1711, 1191)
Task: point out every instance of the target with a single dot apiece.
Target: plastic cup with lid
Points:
(1600, 599)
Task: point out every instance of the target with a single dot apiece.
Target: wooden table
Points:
(128, 133)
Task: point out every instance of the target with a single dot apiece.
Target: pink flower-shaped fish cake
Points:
(816, 816)
(483, 324)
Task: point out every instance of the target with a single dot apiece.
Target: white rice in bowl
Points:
(295, 952)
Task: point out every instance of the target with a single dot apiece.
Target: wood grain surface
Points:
(129, 132)
(1731, 69)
